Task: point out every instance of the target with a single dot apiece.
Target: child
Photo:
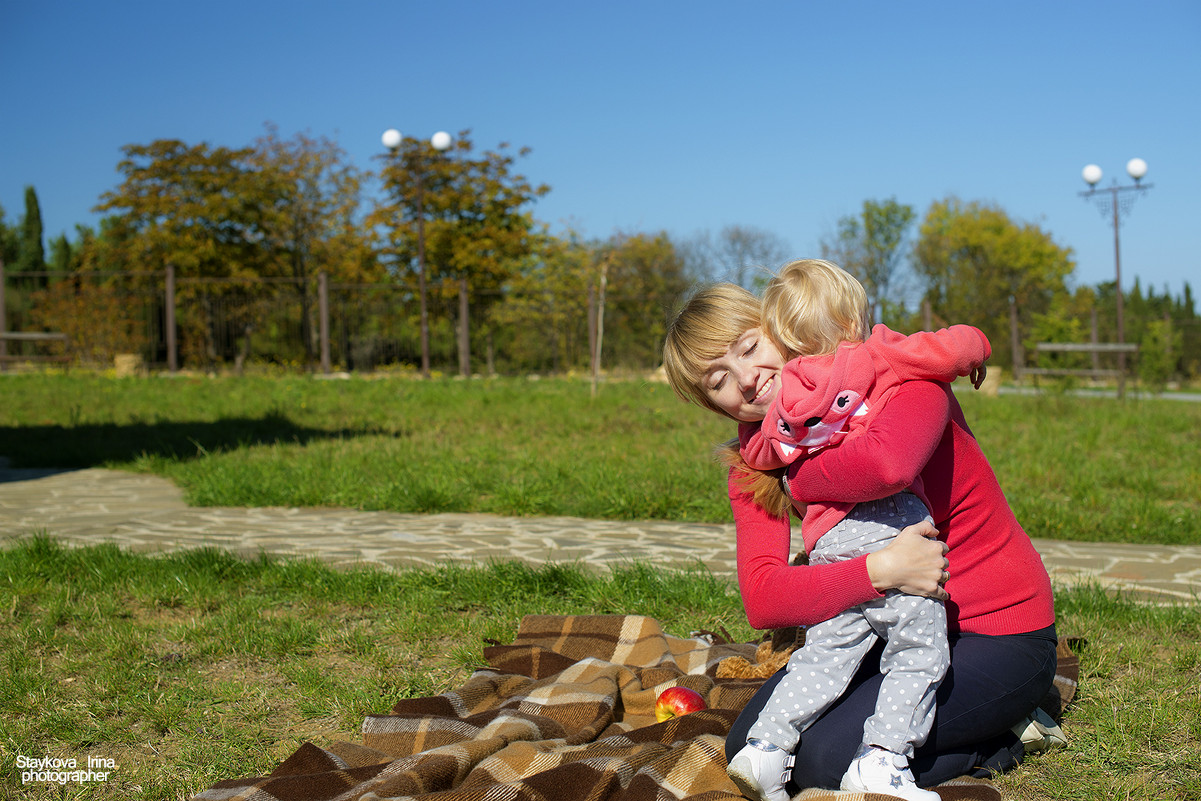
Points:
(823, 398)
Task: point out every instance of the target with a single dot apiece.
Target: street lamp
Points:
(1116, 200)
(440, 141)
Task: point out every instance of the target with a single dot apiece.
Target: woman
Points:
(997, 593)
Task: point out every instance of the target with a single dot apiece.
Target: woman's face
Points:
(744, 381)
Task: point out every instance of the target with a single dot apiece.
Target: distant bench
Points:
(1120, 348)
(34, 336)
(1074, 347)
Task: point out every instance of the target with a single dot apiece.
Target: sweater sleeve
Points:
(776, 593)
(885, 458)
(934, 356)
(942, 355)
(755, 448)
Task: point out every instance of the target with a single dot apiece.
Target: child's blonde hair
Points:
(811, 305)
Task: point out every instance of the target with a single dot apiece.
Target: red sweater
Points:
(998, 583)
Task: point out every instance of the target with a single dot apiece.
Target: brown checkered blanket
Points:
(564, 713)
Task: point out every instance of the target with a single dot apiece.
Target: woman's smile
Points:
(744, 381)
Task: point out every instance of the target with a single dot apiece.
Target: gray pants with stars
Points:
(916, 650)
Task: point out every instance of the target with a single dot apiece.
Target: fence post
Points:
(1093, 339)
(600, 325)
(3, 319)
(169, 322)
(1015, 339)
(323, 320)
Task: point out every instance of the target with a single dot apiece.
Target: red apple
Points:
(677, 701)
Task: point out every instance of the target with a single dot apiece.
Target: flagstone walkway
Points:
(147, 513)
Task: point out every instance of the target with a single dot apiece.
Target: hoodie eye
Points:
(812, 421)
(784, 428)
(843, 400)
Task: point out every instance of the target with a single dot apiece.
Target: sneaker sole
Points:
(740, 774)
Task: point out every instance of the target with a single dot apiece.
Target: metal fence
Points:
(167, 322)
(172, 322)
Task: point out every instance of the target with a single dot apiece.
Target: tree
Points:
(311, 224)
(200, 208)
(465, 215)
(10, 242)
(544, 312)
(645, 280)
(31, 257)
(869, 246)
(62, 255)
(741, 254)
(976, 261)
(1159, 352)
(208, 212)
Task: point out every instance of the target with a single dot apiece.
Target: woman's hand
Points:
(914, 563)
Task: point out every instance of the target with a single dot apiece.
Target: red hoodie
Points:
(997, 585)
(824, 399)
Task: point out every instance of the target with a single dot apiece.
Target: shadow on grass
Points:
(95, 444)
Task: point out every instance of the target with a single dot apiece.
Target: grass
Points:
(191, 668)
(200, 666)
(1073, 468)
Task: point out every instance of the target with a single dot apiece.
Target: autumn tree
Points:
(542, 320)
(645, 278)
(309, 223)
(204, 210)
(870, 246)
(468, 214)
(976, 261)
(198, 207)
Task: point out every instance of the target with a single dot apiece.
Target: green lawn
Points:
(192, 668)
(1072, 468)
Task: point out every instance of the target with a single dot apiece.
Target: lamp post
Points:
(440, 141)
(1116, 200)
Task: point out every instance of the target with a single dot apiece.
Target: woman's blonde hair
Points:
(704, 328)
(811, 305)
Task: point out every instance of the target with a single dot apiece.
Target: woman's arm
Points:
(777, 594)
(883, 459)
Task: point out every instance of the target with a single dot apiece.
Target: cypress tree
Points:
(32, 256)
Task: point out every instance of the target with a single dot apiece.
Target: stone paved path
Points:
(147, 513)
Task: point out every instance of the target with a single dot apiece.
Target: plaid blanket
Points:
(564, 713)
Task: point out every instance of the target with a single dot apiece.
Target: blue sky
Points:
(648, 116)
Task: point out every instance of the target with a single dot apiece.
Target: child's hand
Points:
(977, 376)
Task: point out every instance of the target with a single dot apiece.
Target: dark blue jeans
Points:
(993, 683)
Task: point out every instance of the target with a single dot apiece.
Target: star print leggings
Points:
(916, 653)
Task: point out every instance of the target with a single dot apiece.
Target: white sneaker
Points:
(760, 770)
(874, 770)
(1039, 733)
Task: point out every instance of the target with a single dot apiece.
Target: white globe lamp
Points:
(391, 138)
(1136, 168)
(1092, 174)
(440, 140)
